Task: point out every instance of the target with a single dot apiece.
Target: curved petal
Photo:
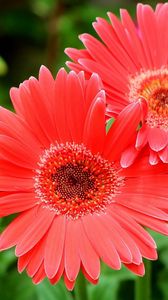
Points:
(94, 129)
(16, 229)
(69, 284)
(16, 202)
(72, 258)
(136, 269)
(18, 153)
(54, 246)
(118, 241)
(89, 257)
(128, 156)
(127, 222)
(123, 130)
(157, 138)
(35, 231)
(75, 106)
(37, 257)
(101, 241)
(40, 275)
(23, 261)
(163, 154)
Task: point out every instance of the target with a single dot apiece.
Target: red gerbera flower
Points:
(132, 62)
(60, 172)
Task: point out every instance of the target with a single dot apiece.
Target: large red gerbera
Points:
(132, 62)
(60, 171)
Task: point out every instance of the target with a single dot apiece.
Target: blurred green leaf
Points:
(3, 67)
(109, 284)
(162, 284)
(23, 24)
(16, 286)
(42, 7)
(46, 291)
(6, 259)
(164, 257)
(161, 240)
(109, 124)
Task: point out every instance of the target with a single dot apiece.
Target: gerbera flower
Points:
(60, 171)
(132, 61)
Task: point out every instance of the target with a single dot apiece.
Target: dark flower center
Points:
(161, 96)
(72, 181)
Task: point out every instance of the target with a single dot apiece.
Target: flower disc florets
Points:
(71, 180)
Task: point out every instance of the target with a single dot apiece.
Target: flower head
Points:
(132, 63)
(60, 172)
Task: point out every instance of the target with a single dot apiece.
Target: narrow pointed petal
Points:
(128, 156)
(94, 130)
(137, 269)
(87, 276)
(158, 139)
(101, 242)
(37, 257)
(16, 202)
(35, 231)
(76, 108)
(72, 258)
(16, 229)
(59, 273)
(88, 255)
(163, 154)
(54, 246)
(23, 261)
(39, 276)
(69, 284)
(153, 158)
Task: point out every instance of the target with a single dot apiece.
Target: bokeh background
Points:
(32, 33)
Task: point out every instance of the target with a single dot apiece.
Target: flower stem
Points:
(143, 284)
(81, 288)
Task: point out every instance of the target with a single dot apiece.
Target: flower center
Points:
(72, 181)
(152, 85)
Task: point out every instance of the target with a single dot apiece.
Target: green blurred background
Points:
(35, 32)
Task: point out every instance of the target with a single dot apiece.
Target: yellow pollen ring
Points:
(152, 85)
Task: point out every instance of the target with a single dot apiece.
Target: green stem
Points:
(143, 284)
(81, 288)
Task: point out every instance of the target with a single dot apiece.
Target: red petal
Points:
(128, 156)
(40, 275)
(94, 130)
(16, 229)
(100, 240)
(69, 284)
(35, 231)
(17, 202)
(123, 130)
(137, 269)
(54, 246)
(72, 258)
(23, 261)
(74, 106)
(88, 255)
(163, 154)
(157, 138)
(37, 257)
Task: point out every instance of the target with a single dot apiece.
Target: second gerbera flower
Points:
(133, 63)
